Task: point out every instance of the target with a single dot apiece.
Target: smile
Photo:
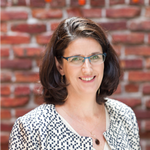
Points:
(87, 79)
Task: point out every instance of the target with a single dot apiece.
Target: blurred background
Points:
(26, 28)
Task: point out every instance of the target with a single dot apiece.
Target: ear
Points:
(59, 67)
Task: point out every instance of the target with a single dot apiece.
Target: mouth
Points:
(87, 78)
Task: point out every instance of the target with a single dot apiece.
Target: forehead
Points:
(83, 46)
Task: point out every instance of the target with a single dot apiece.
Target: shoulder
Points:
(38, 117)
(114, 105)
(28, 128)
(119, 110)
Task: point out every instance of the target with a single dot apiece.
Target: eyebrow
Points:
(88, 55)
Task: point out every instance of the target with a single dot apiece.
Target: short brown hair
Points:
(54, 91)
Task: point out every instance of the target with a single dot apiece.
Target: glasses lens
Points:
(97, 59)
(76, 60)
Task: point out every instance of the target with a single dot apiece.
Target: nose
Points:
(87, 67)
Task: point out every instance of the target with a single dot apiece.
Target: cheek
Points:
(101, 72)
(101, 69)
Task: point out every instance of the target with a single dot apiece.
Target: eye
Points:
(75, 59)
(95, 57)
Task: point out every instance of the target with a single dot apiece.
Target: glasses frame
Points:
(104, 54)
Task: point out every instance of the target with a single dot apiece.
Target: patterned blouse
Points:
(43, 129)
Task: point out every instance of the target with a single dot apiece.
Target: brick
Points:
(27, 76)
(142, 114)
(137, 50)
(131, 102)
(3, 27)
(58, 3)
(147, 147)
(13, 15)
(14, 102)
(22, 91)
(72, 12)
(115, 2)
(5, 76)
(38, 100)
(5, 90)
(21, 112)
(97, 3)
(146, 89)
(74, 3)
(37, 3)
(47, 14)
(5, 114)
(139, 124)
(147, 63)
(131, 87)
(149, 38)
(3, 3)
(16, 64)
(145, 135)
(147, 12)
(19, 2)
(123, 12)
(4, 52)
(132, 38)
(131, 63)
(147, 125)
(121, 76)
(139, 76)
(136, 2)
(148, 103)
(15, 39)
(43, 38)
(54, 25)
(4, 139)
(117, 49)
(28, 51)
(4, 146)
(92, 13)
(29, 28)
(111, 26)
(6, 127)
(142, 25)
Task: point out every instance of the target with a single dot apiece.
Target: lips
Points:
(87, 78)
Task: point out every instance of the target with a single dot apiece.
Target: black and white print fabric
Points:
(43, 129)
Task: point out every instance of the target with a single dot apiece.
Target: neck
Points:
(83, 106)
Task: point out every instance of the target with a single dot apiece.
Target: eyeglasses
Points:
(79, 60)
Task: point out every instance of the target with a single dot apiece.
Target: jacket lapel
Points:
(116, 136)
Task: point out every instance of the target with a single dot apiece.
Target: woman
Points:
(79, 70)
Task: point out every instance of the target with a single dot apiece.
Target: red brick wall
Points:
(26, 28)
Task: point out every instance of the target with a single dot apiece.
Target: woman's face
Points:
(87, 77)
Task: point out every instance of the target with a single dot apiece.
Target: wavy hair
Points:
(54, 91)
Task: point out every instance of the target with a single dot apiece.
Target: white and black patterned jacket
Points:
(43, 129)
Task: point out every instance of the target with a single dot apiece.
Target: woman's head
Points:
(55, 91)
